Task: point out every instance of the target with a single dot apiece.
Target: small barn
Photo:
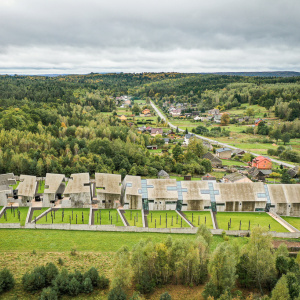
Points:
(224, 153)
(215, 161)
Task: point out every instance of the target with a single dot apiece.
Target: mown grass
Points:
(67, 212)
(160, 217)
(41, 186)
(37, 213)
(198, 217)
(294, 221)
(12, 215)
(134, 217)
(108, 217)
(256, 219)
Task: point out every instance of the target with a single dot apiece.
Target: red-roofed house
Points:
(262, 162)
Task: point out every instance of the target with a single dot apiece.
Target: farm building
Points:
(54, 188)
(285, 199)
(131, 198)
(215, 161)
(5, 190)
(224, 153)
(235, 177)
(108, 187)
(26, 190)
(78, 191)
(250, 196)
(262, 162)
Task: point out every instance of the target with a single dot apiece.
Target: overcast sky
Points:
(71, 36)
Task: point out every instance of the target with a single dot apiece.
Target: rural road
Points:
(216, 142)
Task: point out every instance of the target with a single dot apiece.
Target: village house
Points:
(215, 161)
(238, 152)
(262, 162)
(235, 177)
(213, 112)
(156, 131)
(258, 121)
(175, 113)
(217, 118)
(187, 138)
(224, 153)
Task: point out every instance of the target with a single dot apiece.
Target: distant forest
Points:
(56, 124)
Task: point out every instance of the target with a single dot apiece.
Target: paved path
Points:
(282, 222)
(215, 142)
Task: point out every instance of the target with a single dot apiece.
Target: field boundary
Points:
(122, 218)
(28, 215)
(41, 215)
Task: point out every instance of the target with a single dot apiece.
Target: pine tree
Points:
(281, 291)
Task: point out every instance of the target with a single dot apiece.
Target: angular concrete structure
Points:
(27, 189)
(5, 190)
(131, 197)
(54, 188)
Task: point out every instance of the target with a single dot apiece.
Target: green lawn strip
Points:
(12, 215)
(67, 214)
(15, 185)
(156, 216)
(133, 213)
(226, 162)
(179, 178)
(106, 215)
(41, 186)
(193, 217)
(294, 221)
(100, 241)
(38, 212)
(256, 219)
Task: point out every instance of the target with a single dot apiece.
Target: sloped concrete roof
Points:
(133, 184)
(53, 182)
(194, 190)
(78, 183)
(284, 193)
(160, 189)
(110, 182)
(6, 180)
(27, 186)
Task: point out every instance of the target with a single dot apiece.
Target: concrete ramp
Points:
(282, 222)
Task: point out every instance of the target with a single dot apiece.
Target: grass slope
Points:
(170, 213)
(193, 217)
(36, 213)
(12, 216)
(67, 215)
(294, 221)
(130, 215)
(261, 219)
(106, 215)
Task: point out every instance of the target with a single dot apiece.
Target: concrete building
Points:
(5, 190)
(131, 196)
(27, 189)
(108, 187)
(78, 191)
(54, 188)
(224, 153)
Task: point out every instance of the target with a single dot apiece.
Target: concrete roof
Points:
(160, 191)
(284, 193)
(240, 192)
(53, 182)
(233, 177)
(193, 190)
(27, 186)
(77, 183)
(6, 180)
(133, 184)
(110, 182)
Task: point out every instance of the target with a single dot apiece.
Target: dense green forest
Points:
(61, 124)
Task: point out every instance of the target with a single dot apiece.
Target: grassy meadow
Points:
(294, 221)
(198, 217)
(12, 215)
(37, 213)
(134, 217)
(161, 215)
(108, 217)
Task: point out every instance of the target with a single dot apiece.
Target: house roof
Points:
(27, 186)
(293, 171)
(261, 158)
(6, 180)
(53, 182)
(237, 151)
(223, 150)
(133, 184)
(211, 157)
(189, 135)
(78, 183)
(156, 130)
(233, 177)
(111, 183)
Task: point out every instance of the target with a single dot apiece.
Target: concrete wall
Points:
(107, 200)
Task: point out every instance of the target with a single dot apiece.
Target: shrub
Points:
(93, 274)
(210, 290)
(60, 261)
(205, 233)
(49, 294)
(33, 282)
(73, 252)
(103, 282)
(61, 282)
(7, 281)
(117, 293)
(87, 285)
(165, 296)
(74, 287)
(146, 285)
(51, 273)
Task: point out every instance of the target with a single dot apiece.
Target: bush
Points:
(49, 294)
(7, 281)
(74, 287)
(117, 294)
(165, 296)
(60, 261)
(87, 285)
(93, 274)
(210, 290)
(61, 282)
(73, 252)
(146, 285)
(51, 273)
(33, 282)
(103, 282)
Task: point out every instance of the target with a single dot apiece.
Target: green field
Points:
(41, 186)
(294, 221)
(134, 214)
(193, 217)
(108, 217)
(47, 219)
(226, 162)
(256, 219)
(36, 213)
(12, 215)
(170, 213)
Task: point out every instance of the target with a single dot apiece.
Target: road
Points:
(214, 141)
